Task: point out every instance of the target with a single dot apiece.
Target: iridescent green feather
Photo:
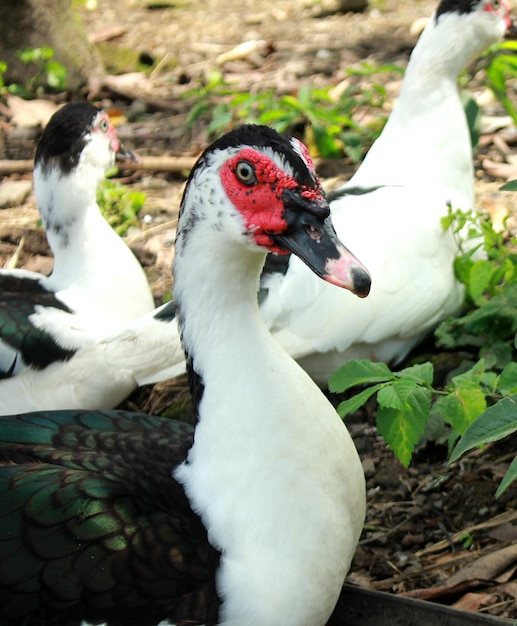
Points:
(92, 524)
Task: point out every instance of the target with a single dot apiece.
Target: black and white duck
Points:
(249, 518)
(97, 286)
(390, 212)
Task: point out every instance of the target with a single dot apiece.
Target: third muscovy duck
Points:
(390, 212)
(251, 517)
(97, 285)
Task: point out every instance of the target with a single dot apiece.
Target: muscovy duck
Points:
(97, 286)
(251, 517)
(390, 211)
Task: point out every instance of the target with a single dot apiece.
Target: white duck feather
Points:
(391, 209)
(257, 512)
(97, 286)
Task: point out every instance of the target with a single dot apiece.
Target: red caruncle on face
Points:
(259, 199)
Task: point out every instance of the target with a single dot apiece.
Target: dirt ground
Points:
(432, 531)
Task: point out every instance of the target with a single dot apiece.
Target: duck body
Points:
(249, 518)
(97, 374)
(97, 285)
(79, 541)
(390, 211)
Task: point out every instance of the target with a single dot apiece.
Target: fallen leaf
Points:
(30, 112)
(487, 567)
(473, 601)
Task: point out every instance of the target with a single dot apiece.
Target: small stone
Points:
(14, 193)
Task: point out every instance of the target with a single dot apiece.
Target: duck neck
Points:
(428, 118)
(217, 304)
(444, 49)
(93, 268)
(80, 238)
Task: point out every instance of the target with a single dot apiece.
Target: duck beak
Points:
(124, 154)
(311, 237)
(511, 32)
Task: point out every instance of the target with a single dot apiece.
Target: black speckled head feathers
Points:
(456, 6)
(262, 137)
(65, 134)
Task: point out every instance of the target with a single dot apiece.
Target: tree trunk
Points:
(35, 23)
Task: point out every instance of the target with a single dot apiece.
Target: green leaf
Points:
(462, 266)
(473, 115)
(497, 354)
(422, 373)
(495, 423)
(56, 74)
(395, 396)
(450, 409)
(509, 186)
(509, 477)
(361, 372)
(402, 429)
(479, 278)
(357, 401)
(508, 379)
(473, 401)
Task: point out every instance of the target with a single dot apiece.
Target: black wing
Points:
(20, 339)
(94, 527)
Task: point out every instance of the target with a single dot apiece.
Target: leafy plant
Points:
(48, 72)
(407, 398)
(329, 124)
(495, 423)
(119, 205)
(502, 66)
(3, 69)
(47, 68)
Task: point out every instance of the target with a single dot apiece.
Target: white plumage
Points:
(97, 286)
(390, 212)
(285, 554)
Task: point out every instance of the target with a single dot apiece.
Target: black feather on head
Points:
(63, 138)
(254, 135)
(456, 6)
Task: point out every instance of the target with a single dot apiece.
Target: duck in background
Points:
(390, 211)
(252, 517)
(96, 287)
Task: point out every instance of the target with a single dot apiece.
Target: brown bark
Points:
(35, 23)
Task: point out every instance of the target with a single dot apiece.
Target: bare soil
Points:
(432, 530)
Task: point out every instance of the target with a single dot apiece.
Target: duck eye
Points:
(104, 125)
(246, 173)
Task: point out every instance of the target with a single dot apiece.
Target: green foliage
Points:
(3, 69)
(48, 73)
(119, 205)
(503, 66)
(468, 402)
(495, 423)
(483, 278)
(329, 124)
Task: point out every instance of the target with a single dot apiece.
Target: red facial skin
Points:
(260, 201)
(489, 6)
(104, 125)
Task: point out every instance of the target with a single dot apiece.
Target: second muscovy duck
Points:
(251, 518)
(97, 285)
(390, 212)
